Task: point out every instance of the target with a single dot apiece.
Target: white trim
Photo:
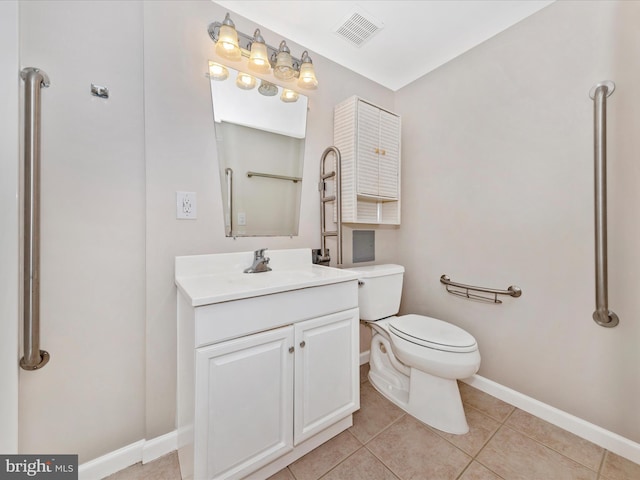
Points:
(159, 446)
(9, 226)
(598, 435)
(140, 451)
(364, 357)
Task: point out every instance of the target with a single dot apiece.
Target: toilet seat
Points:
(432, 333)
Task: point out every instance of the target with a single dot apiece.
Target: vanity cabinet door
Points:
(327, 385)
(243, 404)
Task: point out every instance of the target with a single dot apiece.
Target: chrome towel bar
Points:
(463, 290)
(277, 177)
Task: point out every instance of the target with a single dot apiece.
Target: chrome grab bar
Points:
(337, 197)
(512, 291)
(599, 93)
(277, 177)
(228, 172)
(34, 358)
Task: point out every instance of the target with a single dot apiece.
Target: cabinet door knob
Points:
(384, 152)
(291, 349)
(302, 344)
(377, 150)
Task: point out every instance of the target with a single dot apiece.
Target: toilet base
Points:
(436, 401)
(432, 400)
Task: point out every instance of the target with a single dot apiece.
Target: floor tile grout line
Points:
(485, 466)
(515, 429)
(384, 429)
(486, 414)
(342, 461)
(601, 467)
(551, 448)
(464, 469)
(397, 475)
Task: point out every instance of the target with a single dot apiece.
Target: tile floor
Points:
(385, 443)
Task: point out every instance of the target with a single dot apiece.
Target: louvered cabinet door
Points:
(389, 157)
(367, 170)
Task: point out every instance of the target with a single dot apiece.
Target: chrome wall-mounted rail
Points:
(228, 172)
(462, 290)
(323, 255)
(34, 358)
(277, 177)
(599, 93)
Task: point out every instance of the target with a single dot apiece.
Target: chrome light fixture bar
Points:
(253, 47)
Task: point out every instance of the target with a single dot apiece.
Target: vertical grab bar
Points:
(229, 174)
(33, 358)
(599, 93)
(337, 197)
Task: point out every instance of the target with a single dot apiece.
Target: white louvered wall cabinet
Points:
(368, 138)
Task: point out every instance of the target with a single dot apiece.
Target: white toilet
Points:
(415, 360)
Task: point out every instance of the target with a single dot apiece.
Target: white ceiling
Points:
(417, 37)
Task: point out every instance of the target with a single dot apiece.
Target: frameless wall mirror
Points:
(260, 129)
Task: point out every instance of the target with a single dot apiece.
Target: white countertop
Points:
(207, 279)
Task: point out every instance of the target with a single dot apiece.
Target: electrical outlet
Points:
(186, 205)
(242, 218)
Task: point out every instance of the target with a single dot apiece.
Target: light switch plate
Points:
(186, 205)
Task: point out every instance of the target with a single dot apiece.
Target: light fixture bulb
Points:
(307, 78)
(284, 63)
(245, 81)
(259, 57)
(289, 96)
(218, 72)
(267, 89)
(227, 44)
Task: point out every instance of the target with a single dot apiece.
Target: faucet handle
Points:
(259, 253)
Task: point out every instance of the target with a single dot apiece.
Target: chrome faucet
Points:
(260, 263)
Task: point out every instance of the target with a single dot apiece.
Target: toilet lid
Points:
(433, 333)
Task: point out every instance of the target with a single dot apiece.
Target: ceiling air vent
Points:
(358, 27)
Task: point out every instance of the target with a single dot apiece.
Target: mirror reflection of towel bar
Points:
(464, 291)
(278, 177)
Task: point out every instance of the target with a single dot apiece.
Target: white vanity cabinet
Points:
(368, 138)
(263, 379)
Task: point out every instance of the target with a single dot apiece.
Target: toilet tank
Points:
(379, 290)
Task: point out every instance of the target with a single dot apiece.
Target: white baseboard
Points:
(598, 435)
(364, 357)
(159, 446)
(141, 451)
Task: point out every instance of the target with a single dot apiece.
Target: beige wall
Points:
(501, 195)
(181, 155)
(498, 190)
(89, 399)
(110, 172)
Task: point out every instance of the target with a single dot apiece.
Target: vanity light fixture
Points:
(307, 78)
(233, 45)
(267, 89)
(289, 96)
(245, 81)
(218, 72)
(259, 57)
(227, 42)
(283, 68)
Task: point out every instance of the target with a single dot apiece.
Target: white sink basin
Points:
(207, 279)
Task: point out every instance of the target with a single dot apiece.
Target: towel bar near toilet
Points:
(463, 290)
